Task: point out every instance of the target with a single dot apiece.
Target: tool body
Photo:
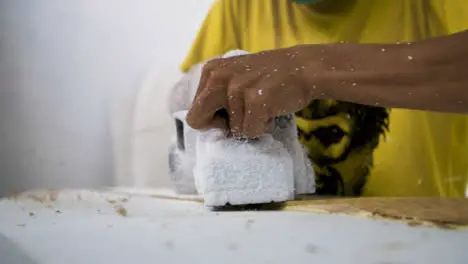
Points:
(227, 170)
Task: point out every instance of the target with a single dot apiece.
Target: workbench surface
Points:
(130, 226)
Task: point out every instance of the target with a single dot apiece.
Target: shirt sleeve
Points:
(218, 34)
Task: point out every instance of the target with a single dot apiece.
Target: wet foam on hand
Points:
(235, 172)
(233, 53)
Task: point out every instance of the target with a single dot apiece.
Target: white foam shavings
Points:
(233, 53)
(181, 95)
(181, 170)
(182, 159)
(304, 175)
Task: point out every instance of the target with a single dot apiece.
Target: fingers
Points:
(236, 109)
(257, 119)
(211, 97)
(236, 101)
(206, 74)
(228, 97)
(279, 98)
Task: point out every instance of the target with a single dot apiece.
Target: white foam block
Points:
(304, 175)
(234, 172)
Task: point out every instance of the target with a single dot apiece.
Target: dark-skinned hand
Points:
(243, 94)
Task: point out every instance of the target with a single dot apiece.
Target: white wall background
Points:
(74, 75)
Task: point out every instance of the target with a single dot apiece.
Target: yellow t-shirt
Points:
(356, 149)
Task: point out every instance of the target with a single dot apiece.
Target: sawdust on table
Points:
(47, 196)
(121, 210)
(439, 212)
(449, 213)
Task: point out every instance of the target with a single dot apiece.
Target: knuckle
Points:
(215, 74)
(212, 64)
(209, 64)
(256, 99)
(207, 70)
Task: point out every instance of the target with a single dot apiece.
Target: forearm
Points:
(428, 75)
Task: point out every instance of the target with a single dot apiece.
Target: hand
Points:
(243, 94)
